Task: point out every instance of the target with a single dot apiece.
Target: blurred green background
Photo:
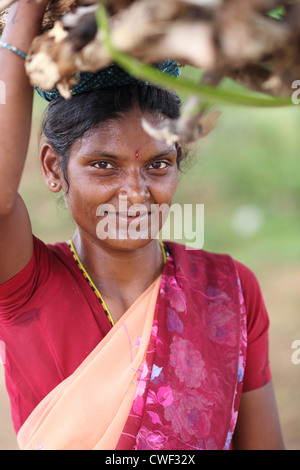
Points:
(247, 175)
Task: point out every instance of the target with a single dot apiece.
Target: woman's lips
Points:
(136, 217)
(127, 217)
(135, 222)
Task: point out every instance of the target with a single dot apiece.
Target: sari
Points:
(167, 376)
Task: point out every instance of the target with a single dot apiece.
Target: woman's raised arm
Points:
(23, 24)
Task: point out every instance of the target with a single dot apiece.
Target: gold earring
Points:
(53, 184)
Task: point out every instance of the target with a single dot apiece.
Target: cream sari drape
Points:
(89, 409)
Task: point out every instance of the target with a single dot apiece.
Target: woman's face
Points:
(118, 176)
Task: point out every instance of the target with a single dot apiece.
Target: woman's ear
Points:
(51, 168)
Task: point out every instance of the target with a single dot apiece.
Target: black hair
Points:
(66, 121)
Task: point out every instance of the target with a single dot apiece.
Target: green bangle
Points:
(13, 49)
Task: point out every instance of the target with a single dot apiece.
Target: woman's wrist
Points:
(24, 23)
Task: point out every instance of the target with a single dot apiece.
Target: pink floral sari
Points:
(191, 382)
(188, 384)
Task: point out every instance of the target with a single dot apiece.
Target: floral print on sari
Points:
(189, 385)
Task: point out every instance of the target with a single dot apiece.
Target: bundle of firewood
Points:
(240, 39)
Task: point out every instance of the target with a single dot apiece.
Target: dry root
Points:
(233, 38)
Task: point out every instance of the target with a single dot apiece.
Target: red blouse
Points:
(50, 320)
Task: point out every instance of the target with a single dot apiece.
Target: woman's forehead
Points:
(123, 135)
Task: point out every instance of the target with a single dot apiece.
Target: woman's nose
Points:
(135, 188)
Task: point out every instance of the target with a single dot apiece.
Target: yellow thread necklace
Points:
(91, 283)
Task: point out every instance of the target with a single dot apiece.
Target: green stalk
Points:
(146, 73)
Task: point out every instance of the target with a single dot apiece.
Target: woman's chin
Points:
(126, 244)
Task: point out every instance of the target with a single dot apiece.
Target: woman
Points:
(119, 342)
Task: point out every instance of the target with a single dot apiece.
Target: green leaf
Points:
(210, 94)
(277, 13)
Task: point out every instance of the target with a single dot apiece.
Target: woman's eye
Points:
(103, 165)
(158, 166)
